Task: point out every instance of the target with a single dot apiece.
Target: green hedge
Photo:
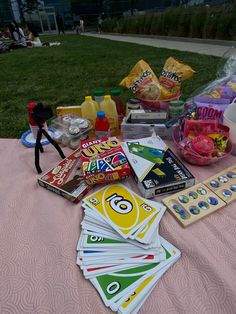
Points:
(193, 22)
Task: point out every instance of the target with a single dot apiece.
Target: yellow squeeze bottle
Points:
(89, 109)
(109, 107)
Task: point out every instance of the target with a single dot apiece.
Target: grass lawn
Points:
(63, 75)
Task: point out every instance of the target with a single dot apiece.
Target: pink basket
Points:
(193, 157)
(157, 105)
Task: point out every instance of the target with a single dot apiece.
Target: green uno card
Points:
(112, 287)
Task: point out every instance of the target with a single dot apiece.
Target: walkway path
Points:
(208, 47)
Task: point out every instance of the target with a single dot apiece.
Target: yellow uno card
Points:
(123, 209)
(137, 291)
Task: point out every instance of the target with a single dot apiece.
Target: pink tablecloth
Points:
(38, 235)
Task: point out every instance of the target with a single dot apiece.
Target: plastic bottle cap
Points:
(107, 97)
(115, 92)
(99, 92)
(100, 114)
(88, 97)
(177, 103)
(134, 101)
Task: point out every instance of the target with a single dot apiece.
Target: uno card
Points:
(123, 209)
(116, 160)
(92, 272)
(103, 166)
(115, 236)
(127, 304)
(114, 286)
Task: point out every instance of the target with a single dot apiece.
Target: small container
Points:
(102, 126)
(109, 107)
(132, 104)
(176, 108)
(70, 130)
(99, 95)
(120, 107)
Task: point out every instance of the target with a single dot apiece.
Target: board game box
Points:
(66, 178)
(103, 161)
(156, 169)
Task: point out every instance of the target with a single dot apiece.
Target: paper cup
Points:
(229, 119)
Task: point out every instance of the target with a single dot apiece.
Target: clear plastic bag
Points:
(211, 100)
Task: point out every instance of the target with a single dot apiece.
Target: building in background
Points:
(44, 11)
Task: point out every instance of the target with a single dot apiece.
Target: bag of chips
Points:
(144, 84)
(173, 73)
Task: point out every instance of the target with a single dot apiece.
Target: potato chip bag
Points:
(173, 73)
(144, 84)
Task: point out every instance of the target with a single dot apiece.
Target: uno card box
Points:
(156, 168)
(103, 161)
(66, 178)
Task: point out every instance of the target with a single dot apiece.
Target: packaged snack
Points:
(226, 91)
(144, 84)
(210, 108)
(173, 73)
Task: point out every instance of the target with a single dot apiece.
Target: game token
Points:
(194, 210)
(183, 199)
(203, 205)
(193, 195)
(227, 193)
(233, 187)
(222, 179)
(231, 174)
(215, 184)
(201, 191)
(184, 214)
(177, 208)
(212, 200)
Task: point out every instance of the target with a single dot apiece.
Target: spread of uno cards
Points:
(120, 250)
(125, 211)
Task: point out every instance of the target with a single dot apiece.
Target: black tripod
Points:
(38, 114)
(39, 146)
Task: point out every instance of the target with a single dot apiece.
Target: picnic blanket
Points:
(39, 232)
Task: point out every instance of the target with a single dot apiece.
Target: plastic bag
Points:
(211, 100)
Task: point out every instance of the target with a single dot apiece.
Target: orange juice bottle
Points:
(109, 107)
(89, 109)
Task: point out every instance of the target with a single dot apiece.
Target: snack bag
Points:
(173, 73)
(226, 91)
(210, 108)
(144, 84)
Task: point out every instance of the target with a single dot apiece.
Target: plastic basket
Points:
(158, 105)
(193, 157)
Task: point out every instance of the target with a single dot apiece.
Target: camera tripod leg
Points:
(58, 148)
(41, 148)
(36, 151)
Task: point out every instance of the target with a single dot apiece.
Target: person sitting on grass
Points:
(17, 36)
(33, 37)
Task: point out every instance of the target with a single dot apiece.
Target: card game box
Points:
(66, 178)
(156, 169)
(103, 160)
(133, 130)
